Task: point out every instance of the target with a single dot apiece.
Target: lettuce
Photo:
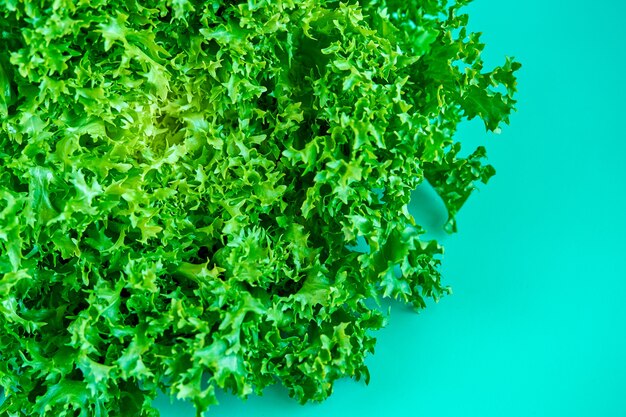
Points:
(182, 185)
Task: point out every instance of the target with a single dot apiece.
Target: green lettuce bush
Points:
(182, 185)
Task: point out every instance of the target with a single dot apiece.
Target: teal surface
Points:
(536, 325)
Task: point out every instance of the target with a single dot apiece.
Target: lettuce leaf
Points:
(182, 185)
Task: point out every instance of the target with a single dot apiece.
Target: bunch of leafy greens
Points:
(182, 181)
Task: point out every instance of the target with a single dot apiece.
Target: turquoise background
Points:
(537, 322)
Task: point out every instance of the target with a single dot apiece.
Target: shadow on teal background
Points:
(536, 325)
